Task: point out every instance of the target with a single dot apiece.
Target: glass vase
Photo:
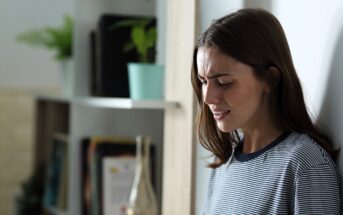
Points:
(142, 200)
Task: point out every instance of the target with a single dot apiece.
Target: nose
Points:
(211, 94)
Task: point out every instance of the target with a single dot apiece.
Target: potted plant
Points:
(29, 196)
(58, 39)
(145, 77)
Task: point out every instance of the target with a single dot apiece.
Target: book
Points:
(94, 150)
(62, 198)
(55, 192)
(85, 178)
(118, 175)
(94, 87)
(111, 72)
(108, 167)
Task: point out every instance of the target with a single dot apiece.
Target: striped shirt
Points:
(292, 175)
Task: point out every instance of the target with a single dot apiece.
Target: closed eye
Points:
(225, 83)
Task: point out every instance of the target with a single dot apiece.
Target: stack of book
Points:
(108, 167)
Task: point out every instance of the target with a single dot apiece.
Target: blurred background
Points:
(24, 72)
(314, 29)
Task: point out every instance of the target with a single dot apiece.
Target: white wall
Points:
(315, 33)
(210, 11)
(330, 110)
(311, 27)
(314, 29)
(21, 65)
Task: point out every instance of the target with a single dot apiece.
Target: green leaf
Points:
(58, 39)
(142, 37)
(151, 37)
(138, 37)
(32, 37)
(131, 23)
(68, 24)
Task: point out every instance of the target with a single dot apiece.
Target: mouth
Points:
(220, 115)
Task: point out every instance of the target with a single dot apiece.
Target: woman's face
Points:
(235, 96)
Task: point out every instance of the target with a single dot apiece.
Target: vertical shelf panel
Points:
(179, 171)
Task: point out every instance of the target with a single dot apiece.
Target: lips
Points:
(220, 114)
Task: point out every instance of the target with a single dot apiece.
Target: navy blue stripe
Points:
(243, 157)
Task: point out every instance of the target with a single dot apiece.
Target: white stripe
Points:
(296, 176)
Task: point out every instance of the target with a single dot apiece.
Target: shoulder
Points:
(303, 148)
(304, 153)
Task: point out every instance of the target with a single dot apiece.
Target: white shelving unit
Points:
(82, 117)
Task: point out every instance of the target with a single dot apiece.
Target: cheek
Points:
(243, 98)
(234, 96)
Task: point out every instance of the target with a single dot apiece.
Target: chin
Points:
(225, 129)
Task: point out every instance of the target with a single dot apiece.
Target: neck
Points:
(257, 139)
(261, 132)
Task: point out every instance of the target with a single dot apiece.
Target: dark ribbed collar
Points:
(243, 157)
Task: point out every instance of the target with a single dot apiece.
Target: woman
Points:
(269, 156)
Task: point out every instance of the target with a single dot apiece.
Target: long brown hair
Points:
(255, 37)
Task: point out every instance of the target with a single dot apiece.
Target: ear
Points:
(273, 78)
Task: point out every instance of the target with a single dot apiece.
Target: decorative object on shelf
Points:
(146, 81)
(145, 78)
(28, 198)
(60, 40)
(142, 200)
(108, 63)
(67, 76)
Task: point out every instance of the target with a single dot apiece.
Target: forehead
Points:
(207, 55)
(211, 61)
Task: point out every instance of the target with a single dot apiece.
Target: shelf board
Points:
(115, 103)
(54, 98)
(126, 103)
(55, 211)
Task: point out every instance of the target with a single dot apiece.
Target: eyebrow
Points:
(214, 75)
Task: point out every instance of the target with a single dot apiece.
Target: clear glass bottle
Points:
(142, 200)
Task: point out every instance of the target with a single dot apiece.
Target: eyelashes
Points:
(225, 84)
(218, 82)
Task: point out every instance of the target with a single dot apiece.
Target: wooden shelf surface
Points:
(54, 211)
(115, 103)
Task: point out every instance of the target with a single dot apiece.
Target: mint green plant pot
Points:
(146, 81)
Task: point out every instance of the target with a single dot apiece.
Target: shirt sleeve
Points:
(317, 191)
